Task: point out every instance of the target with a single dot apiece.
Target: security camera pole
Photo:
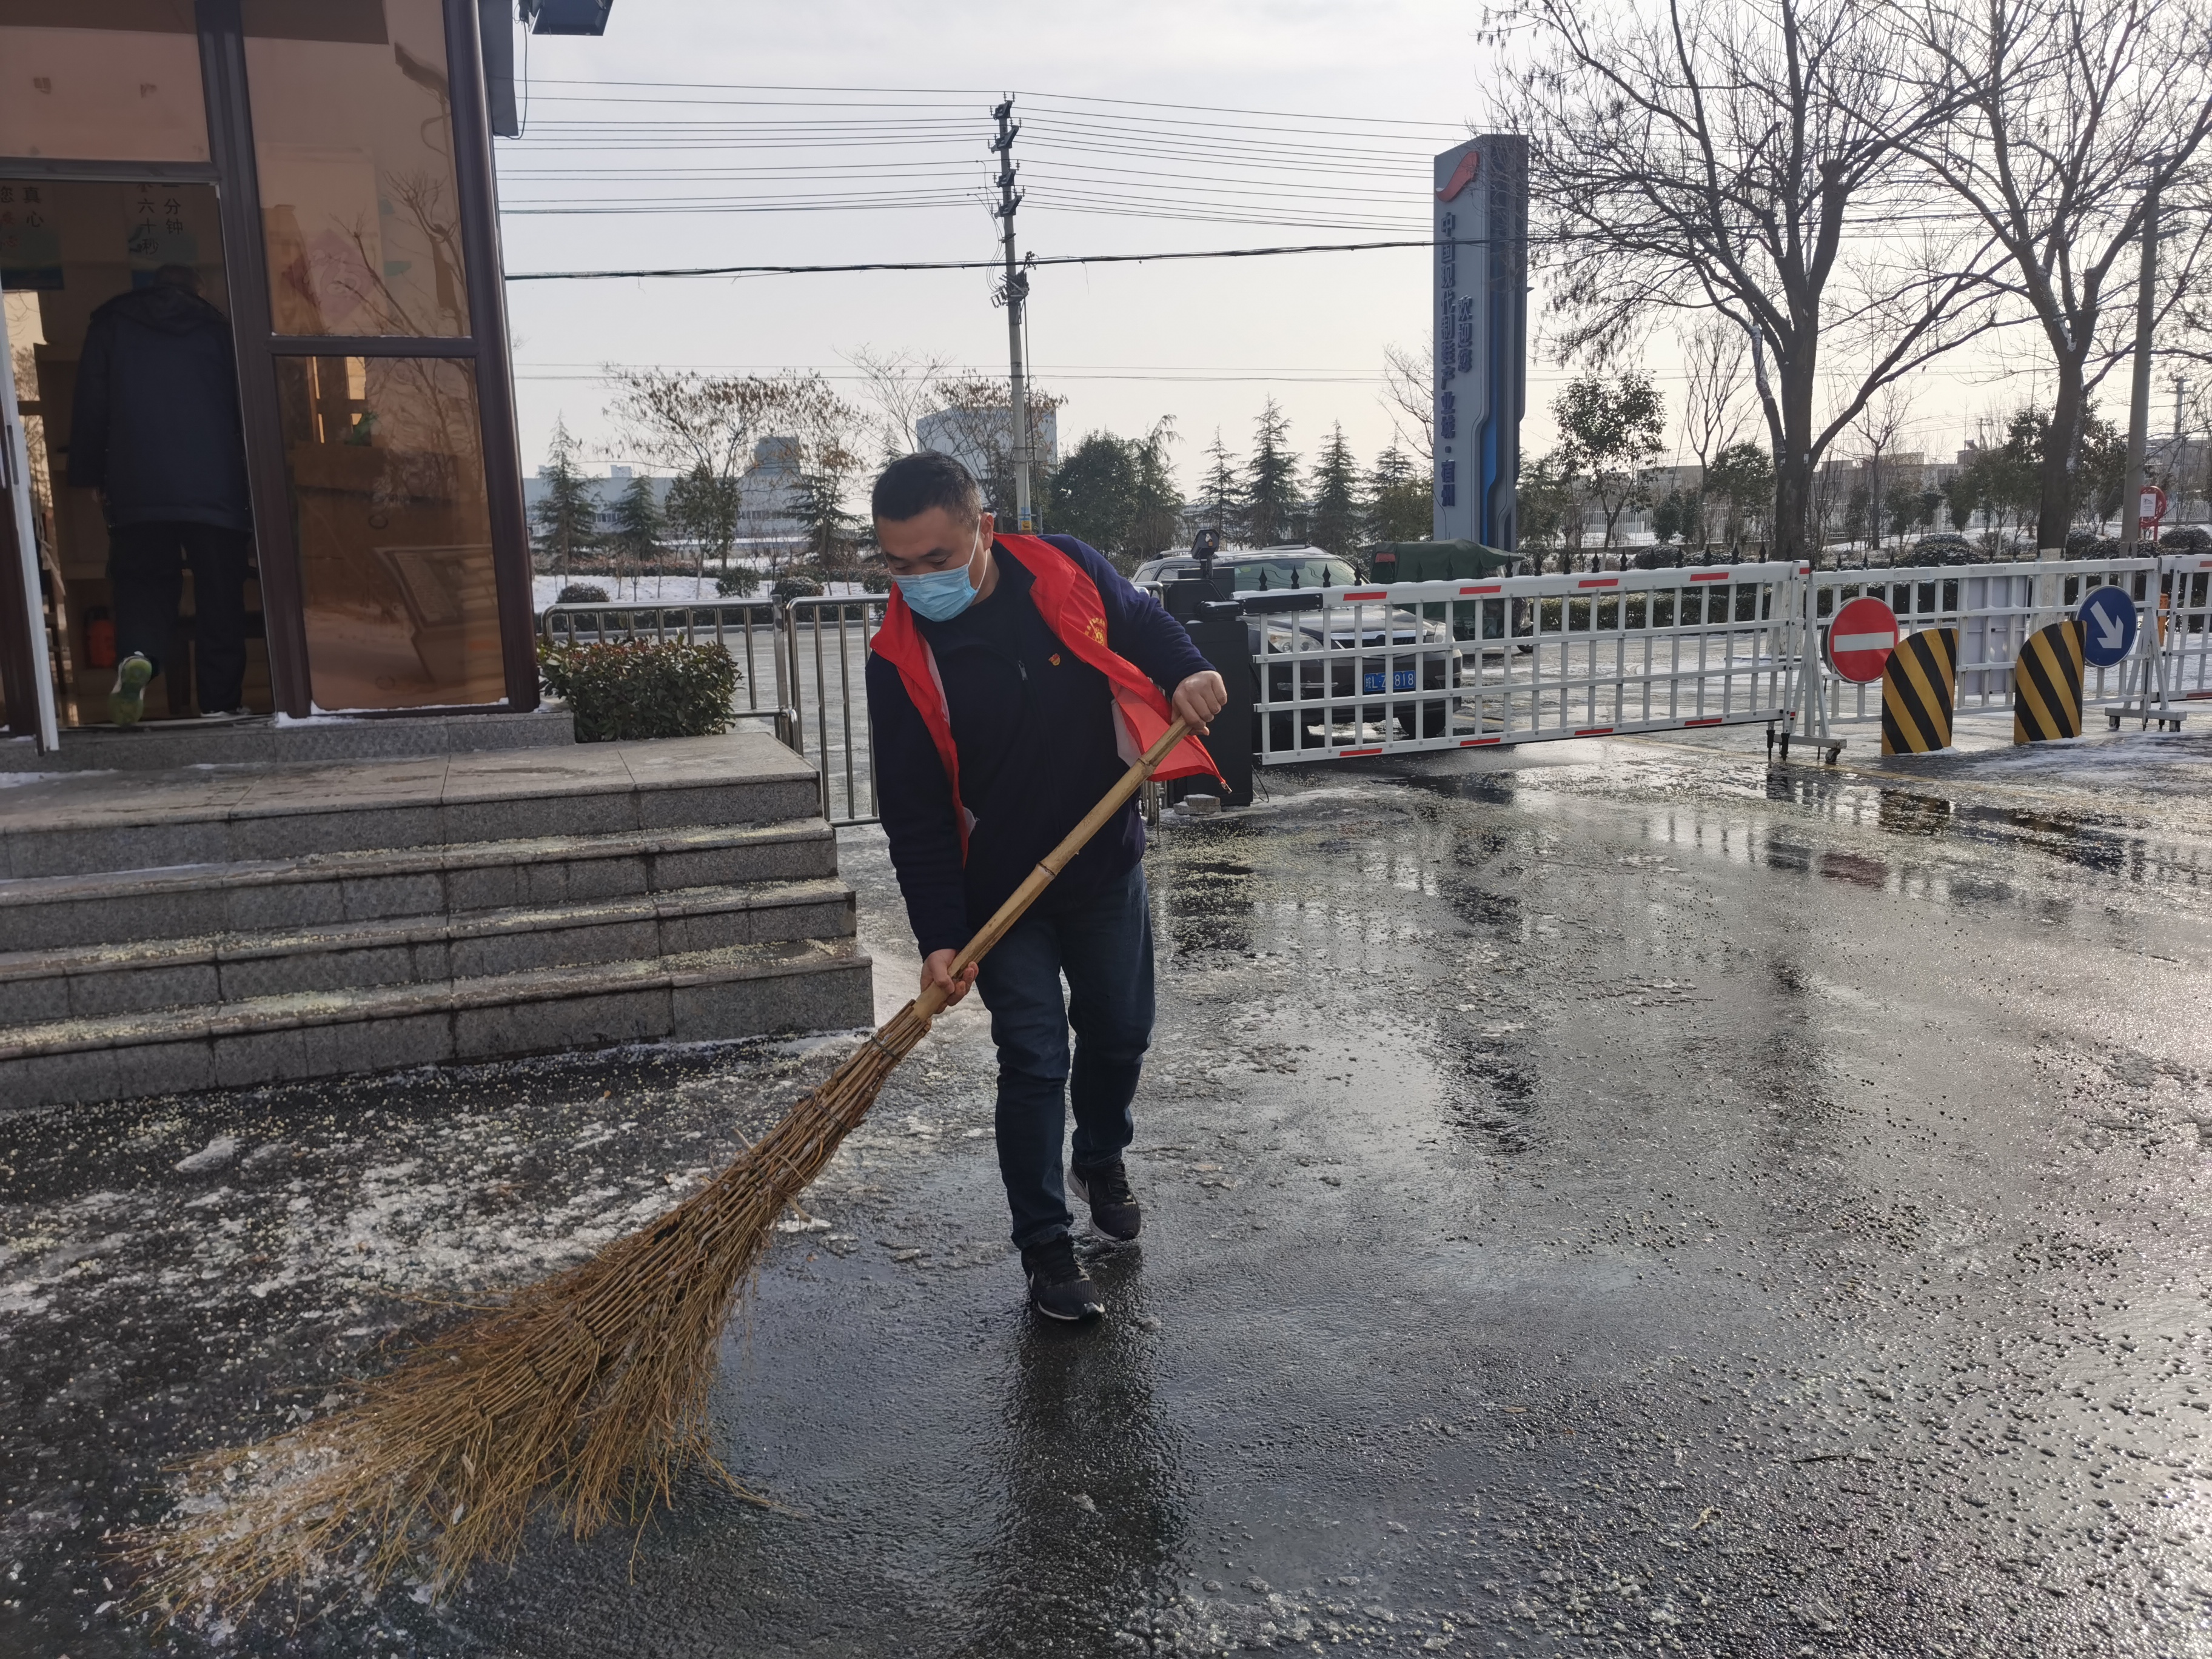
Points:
(1014, 296)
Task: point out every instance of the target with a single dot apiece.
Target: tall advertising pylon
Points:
(1482, 296)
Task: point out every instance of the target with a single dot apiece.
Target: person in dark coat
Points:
(1013, 681)
(156, 431)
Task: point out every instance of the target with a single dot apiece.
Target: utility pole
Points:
(2139, 404)
(1014, 293)
(2179, 469)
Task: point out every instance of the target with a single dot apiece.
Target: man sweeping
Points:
(1014, 679)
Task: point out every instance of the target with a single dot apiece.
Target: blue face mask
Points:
(940, 595)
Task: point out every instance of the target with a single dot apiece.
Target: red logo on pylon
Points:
(1463, 175)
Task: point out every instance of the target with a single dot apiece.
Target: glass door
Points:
(27, 685)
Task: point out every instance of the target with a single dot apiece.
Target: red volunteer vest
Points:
(1067, 599)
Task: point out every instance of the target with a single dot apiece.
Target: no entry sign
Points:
(1860, 641)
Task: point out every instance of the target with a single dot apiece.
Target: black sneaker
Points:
(1105, 1188)
(1059, 1288)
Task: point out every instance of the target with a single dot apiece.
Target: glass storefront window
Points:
(353, 134)
(106, 241)
(101, 81)
(387, 477)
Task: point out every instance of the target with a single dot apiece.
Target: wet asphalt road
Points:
(1605, 1199)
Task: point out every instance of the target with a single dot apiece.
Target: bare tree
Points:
(1716, 359)
(1716, 356)
(1879, 426)
(2068, 111)
(979, 424)
(1409, 397)
(705, 427)
(1741, 156)
(901, 387)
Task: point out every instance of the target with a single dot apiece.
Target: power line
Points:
(944, 97)
(974, 264)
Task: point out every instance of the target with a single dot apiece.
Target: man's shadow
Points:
(1093, 1514)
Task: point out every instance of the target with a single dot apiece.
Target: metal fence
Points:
(2184, 644)
(1996, 608)
(751, 630)
(826, 648)
(1343, 672)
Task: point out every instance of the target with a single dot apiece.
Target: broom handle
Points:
(932, 1000)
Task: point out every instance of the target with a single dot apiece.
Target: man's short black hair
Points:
(912, 484)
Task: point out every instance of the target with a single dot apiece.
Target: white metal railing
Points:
(2184, 635)
(1996, 607)
(826, 644)
(1350, 671)
(748, 629)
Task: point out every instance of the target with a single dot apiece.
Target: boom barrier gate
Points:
(1348, 671)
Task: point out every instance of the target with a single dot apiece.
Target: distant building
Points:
(767, 494)
(604, 494)
(978, 438)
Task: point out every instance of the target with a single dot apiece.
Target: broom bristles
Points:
(583, 1394)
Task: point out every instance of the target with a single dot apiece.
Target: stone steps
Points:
(739, 990)
(216, 925)
(323, 889)
(95, 822)
(88, 981)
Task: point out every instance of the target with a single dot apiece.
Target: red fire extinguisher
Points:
(99, 640)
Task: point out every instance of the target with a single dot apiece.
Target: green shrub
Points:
(737, 583)
(875, 580)
(581, 593)
(795, 586)
(642, 690)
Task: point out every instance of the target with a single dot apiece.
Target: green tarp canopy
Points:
(1434, 561)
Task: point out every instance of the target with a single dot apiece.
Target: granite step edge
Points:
(360, 863)
(309, 1010)
(218, 949)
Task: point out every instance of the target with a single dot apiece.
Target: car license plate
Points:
(1401, 679)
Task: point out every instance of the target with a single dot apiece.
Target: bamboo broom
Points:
(584, 1393)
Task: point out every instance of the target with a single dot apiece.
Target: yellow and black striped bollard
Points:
(2046, 684)
(1919, 687)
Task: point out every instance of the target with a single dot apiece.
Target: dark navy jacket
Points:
(155, 427)
(1035, 727)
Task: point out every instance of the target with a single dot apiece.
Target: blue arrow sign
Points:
(2108, 624)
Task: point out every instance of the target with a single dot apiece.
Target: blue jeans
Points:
(1105, 947)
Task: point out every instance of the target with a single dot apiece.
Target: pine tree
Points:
(1398, 505)
(1335, 524)
(1271, 488)
(1091, 495)
(1221, 494)
(702, 509)
(831, 529)
(567, 513)
(1156, 514)
(638, 528)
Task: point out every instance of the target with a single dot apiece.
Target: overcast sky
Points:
(1233, 117)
